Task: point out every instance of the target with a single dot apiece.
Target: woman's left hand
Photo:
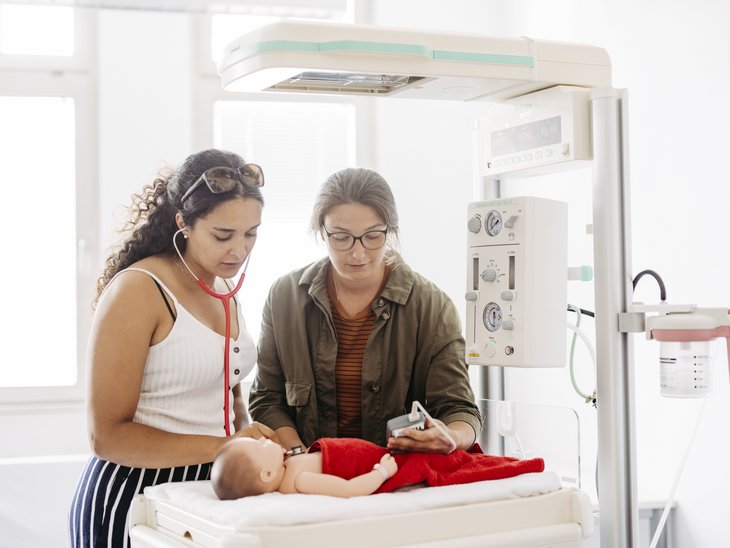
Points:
(429, 440)
(257, 430)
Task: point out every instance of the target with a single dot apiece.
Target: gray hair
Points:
(356, 185)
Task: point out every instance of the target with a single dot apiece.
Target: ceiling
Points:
(300, 7)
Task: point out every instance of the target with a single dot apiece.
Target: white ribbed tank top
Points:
(182, 385)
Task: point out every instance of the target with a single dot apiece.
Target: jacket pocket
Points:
(297, 393)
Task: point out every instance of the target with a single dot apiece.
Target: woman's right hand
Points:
(256, 430)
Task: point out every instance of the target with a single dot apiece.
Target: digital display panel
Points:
(527, 136)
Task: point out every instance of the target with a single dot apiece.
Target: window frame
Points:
(73, 77)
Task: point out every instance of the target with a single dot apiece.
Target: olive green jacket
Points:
(415, 352)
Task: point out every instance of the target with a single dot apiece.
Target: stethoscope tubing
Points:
(225, 299)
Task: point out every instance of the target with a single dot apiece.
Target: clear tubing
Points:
(672, 494)
(591, 350)
(572, 352)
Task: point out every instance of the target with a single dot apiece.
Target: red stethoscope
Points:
(225, 299)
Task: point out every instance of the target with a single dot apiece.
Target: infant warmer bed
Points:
(530, 510)
(535, 510)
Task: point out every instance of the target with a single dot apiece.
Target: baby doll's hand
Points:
(388, 462)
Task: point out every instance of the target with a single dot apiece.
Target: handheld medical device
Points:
(516, 282)
(397, 425)
(416, 419)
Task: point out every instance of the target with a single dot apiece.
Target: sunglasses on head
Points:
(224, 179)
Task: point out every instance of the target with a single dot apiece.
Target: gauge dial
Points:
(492, 317)
(493, 223)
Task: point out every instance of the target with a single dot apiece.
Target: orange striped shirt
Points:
(352, 338)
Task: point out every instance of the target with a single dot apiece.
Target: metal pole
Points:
(491, 378)
(617, 492)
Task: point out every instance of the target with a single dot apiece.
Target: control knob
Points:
(474, 224)
(489, 275)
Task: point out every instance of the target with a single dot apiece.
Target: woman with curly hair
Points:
(158, 400)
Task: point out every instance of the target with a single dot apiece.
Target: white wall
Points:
(671, 55)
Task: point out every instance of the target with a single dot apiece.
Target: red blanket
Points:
(350, 457)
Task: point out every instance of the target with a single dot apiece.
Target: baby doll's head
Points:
(247, 467)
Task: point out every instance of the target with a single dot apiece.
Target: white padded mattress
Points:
(275, 509)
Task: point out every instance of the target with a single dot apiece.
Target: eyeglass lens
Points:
(224, 179)
(252, 175)
(342, 241)
(220, 179)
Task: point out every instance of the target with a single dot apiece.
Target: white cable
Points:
(414, 411)
(670, 500)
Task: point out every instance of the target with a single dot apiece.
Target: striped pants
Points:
(100, 507)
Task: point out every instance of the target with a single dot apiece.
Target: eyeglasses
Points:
(224, 179)
(344, 241)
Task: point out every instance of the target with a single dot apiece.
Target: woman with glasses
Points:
(165, 359)
(350, 341)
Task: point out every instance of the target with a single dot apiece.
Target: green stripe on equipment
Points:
(376, 47)
(353, 46)
(522, 60)
(282, 45)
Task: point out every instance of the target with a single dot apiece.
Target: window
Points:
(36, 30)
(298, 145)
(38, 168)
(48, 160)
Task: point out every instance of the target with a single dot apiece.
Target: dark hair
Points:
(235, 476)
(151, 224)
(356, 185)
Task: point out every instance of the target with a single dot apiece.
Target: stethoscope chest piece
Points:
(296, 450)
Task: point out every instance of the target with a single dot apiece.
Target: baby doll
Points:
(346, 467)
(246, 466)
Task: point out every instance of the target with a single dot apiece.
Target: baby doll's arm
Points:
(314, 483)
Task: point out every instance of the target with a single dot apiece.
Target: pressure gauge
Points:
(493, 223)
(492, 317)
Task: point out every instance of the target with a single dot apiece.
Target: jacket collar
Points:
(398, 289)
